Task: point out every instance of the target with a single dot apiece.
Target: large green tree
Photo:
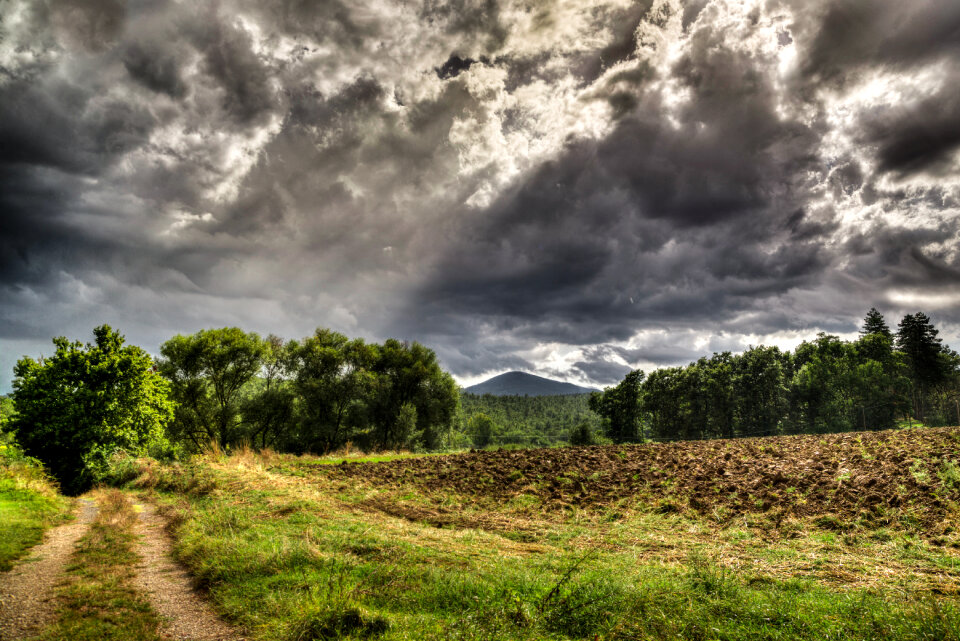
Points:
(267, 408)
(79, 405)
(408, 374)
(332, 378)
(917, 339)
(620, 409)
(208, 372)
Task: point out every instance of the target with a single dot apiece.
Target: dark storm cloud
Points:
(54, 126)
(654, 223)
(600, 371)
(149, 64)
(230, 61)
(93, 25)
(848, 35)
(692, 224)
(501, 180)
(921, 137)
(897, 258)
(454, 66)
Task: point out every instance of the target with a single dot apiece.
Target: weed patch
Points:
(98, 600)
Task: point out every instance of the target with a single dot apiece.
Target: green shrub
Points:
(582, 434)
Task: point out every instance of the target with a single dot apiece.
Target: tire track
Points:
(27, 591)
(187, 616)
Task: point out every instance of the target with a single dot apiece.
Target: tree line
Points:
(226, 387)
(824, 385)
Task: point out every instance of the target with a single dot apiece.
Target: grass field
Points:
(29, 504)
(420, 549)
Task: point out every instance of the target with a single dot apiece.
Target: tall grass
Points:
(29, 504)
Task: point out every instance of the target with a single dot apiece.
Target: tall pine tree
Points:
(874, 323)
(918, 341)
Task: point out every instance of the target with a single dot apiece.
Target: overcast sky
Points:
(568, 187)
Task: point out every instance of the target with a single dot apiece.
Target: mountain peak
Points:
(523, 384)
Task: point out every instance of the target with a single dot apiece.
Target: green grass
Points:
(98, 600)
(29, 504)
(293, 557)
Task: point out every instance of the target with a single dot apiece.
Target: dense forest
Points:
(825, 385)
(536, 421)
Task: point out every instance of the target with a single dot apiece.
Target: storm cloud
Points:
(570, 190)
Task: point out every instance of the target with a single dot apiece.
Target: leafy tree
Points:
(822, 385)
(944, 397)
(7, 410)
(409, 373)
(709, 409)
(267, 409)
(482, 430)
(78, 406)
(760, 390)
(333, 379)
(664, 398)
(620, 408)
(881, 386)
(208, 371)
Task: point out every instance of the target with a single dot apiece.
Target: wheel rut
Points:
(27, 602)
(186, 615)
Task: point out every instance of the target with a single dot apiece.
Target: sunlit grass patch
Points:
(29, 504)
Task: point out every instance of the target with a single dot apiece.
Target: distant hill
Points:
(521, 384)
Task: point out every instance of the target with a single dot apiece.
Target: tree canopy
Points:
(79, 405)
(824, 385)
(208, 372)
(312, 395)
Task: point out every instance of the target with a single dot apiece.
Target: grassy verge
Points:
(98, 600)
(296, 557)
(29, 504)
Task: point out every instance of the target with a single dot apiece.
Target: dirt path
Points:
(26, 591)
(186, 615)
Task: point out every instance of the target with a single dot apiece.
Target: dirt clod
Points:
(847, 475)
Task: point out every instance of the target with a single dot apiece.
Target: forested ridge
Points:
(523, 420)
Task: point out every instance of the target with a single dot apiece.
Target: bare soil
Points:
(186, 614)
(852, 475)
(27, 601)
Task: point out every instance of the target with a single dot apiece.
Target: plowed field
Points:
(855, 475)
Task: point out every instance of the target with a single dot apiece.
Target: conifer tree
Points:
(918, 341)
(874, 323)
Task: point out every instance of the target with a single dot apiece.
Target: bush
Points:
(582, 434)
(79, 406)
